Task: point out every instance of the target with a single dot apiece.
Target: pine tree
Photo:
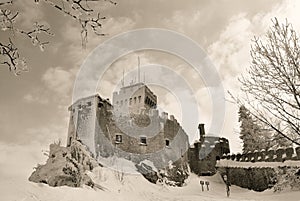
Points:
(256, 136)
(253, 135)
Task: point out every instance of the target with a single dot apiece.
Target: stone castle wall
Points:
(97, 127)
(270, 155)
(259, 170)
(83, 120)
(203, 156)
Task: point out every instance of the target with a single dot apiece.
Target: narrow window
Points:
(167, 143)
(130, 101)
(134, 100)
(89, 103)
(140, 98)
(121, 102)
(118, 138)
(143, 140)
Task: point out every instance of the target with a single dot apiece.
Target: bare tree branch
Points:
(80, 10)
(34, 35)
(272, 81)
(6, 3)
(12, 58)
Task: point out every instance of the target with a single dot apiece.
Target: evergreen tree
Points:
(256, 136)
(253, 135)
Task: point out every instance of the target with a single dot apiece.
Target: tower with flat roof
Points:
(135, 98)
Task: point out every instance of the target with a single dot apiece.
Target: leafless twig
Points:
(272, 83)
(80, 10)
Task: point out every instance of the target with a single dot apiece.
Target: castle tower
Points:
(201, 132)
(136, 98)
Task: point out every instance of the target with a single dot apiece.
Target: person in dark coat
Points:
(227, 182)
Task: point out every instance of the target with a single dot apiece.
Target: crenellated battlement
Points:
(260, 170)
(271, 155)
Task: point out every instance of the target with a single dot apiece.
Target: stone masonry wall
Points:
(97, 127)
(263, 169)
(271, 155)
(204, 154)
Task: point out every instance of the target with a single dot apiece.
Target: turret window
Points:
(167, 143)
(143, 140)
(118, 139)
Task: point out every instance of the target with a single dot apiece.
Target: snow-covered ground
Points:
(17, 164)
(133, 187)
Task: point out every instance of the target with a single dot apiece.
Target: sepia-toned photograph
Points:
(155, 100)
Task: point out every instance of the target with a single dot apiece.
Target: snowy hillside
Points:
(132, 187)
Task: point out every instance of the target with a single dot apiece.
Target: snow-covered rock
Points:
(66, 166)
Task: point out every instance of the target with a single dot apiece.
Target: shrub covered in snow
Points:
(287, 178)
(65, 166)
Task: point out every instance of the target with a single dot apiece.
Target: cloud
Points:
(58, 80)
(179, 21)
(31, 98)
(231, 52)
(44, 135)
(29, 13)
(55, 89)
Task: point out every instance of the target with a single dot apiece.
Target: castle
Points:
(132, 128)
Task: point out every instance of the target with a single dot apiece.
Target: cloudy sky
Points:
(34, 105)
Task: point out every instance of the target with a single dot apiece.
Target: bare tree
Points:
(82, 11)
(272, 81)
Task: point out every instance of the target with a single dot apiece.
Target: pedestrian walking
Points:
(226, 181)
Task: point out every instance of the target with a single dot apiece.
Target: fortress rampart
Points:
(136, 137)
(260, 170)
(271, 155)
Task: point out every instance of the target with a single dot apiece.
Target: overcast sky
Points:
(34, 105)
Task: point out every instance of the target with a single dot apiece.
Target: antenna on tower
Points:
(123, 79)
(139, 80)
